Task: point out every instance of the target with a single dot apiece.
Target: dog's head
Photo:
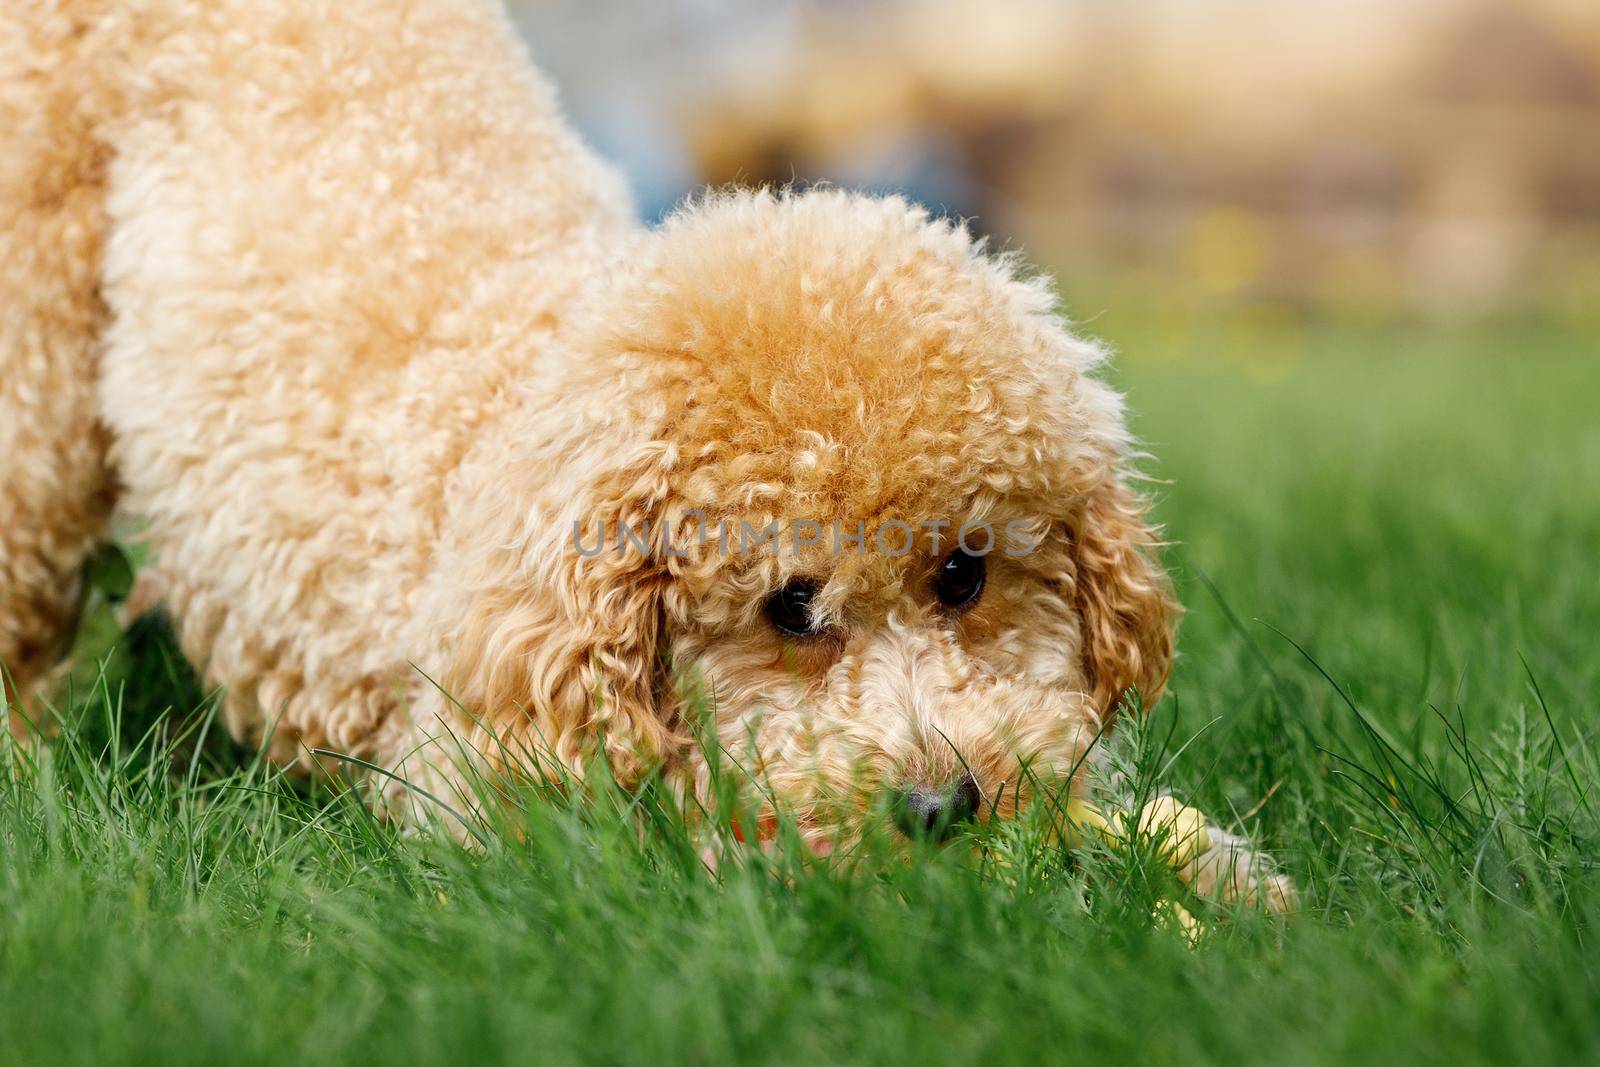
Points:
(820, 466)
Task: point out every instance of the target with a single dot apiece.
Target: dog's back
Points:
(288, 256)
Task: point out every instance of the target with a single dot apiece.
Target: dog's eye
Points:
(959, 582)
(789, 609)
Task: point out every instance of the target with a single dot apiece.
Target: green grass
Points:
(1389, 541)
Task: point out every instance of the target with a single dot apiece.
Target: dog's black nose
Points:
(936, 813)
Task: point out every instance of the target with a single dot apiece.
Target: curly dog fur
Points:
(329, 296)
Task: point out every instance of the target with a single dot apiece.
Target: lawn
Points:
(1388, 538)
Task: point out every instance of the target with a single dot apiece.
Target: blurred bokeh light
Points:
(1371, 158)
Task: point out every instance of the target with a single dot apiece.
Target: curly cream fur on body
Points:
(330, 297)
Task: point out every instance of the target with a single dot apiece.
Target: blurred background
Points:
(1272, 158)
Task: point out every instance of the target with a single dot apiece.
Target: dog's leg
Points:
(55, 490)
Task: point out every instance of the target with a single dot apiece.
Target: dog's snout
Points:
(924, 811)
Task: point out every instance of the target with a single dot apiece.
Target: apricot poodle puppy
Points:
(329, 297)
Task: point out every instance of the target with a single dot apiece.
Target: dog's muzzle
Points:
(922, 811)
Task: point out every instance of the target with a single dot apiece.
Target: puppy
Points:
(443, 459)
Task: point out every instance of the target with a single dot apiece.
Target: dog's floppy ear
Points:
(560, 650)
(1124, 598)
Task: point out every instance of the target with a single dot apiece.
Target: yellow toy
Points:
(1178, 830)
